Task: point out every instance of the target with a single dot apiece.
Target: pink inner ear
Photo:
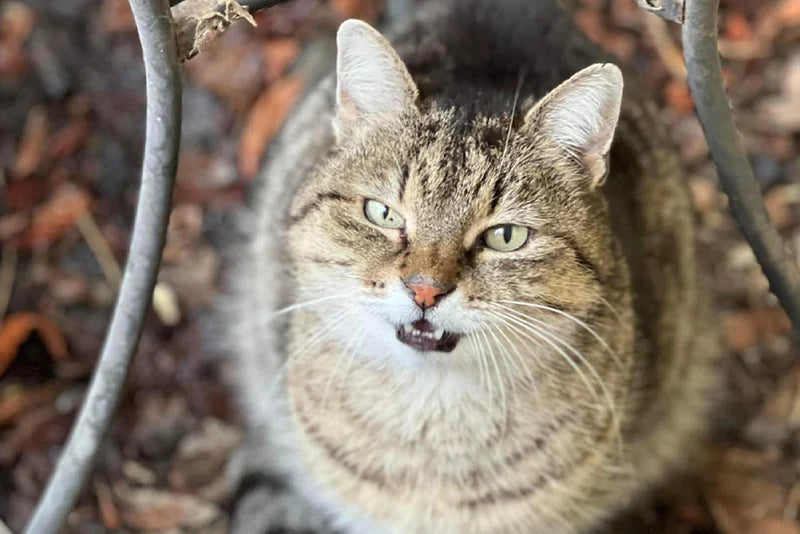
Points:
(596, 161)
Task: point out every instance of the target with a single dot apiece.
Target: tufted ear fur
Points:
(373, 85)
(581, 115)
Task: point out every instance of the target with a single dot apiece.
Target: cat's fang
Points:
(424, 336)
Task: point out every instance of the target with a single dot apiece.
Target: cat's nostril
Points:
(426, 292)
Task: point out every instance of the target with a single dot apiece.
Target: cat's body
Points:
(570, 376)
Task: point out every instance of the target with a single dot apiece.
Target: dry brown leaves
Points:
(117, 17)
(32, 145)
(56, 215)
(152, 509)
(264, 120)
(746, 329)
(229, 70)
(16, 328)
(16, 24)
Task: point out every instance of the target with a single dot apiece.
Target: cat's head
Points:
(430, 236)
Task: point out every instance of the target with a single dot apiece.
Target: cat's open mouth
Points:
(423, 335)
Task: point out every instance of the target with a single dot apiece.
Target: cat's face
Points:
(429, 237)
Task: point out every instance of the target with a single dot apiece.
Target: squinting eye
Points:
(382, 215)
(506, 237)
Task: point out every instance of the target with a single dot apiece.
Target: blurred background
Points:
(71, 136)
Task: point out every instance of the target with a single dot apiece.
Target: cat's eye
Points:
(506, 237)
(382, 215)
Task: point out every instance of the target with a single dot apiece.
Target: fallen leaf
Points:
(264, 121)
(117, 16)
(788, 13)
(737, 27)
(150, 509)
(16, 328)
(16, 22)
(59, 213)
(745, 329)
(16, 400)
(67, 140)
(229, 70)
(202, 455)
(32, 144)
(105, 501)
(678, 97)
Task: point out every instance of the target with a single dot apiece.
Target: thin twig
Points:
(735, 174)
(154, 24)
(99, 246)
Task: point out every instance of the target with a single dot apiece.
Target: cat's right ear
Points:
(373, 86)
(581, 115)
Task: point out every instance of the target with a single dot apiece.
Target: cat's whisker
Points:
(572, 318)
(513, 113)
(601, 383)
(501, 383)
(304, 350)
(343, 354)
(481, 352)
(353, 352)
(305, 304)
(520, 360)
(478, 354)
(539, 334)
(508, 362)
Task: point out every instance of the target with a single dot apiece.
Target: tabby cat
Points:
(467, 302)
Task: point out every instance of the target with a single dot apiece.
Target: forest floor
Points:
(71, 134)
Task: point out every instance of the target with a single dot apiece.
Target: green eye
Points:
(506, 237)
(382, 215)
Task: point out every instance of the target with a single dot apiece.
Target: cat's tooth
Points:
(439, 333)
(408, 328)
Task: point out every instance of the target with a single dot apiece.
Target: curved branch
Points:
(158, 173)
(735, 174)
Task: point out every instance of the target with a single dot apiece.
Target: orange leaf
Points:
(789, 12)
(264, 120)
(16, 328)
(677, 95)
(737, 27)
(58, 214)
(32, 144)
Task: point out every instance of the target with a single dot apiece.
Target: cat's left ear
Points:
(581, 115)
(373, 85)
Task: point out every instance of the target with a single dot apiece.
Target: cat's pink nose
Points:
(426, 290)
(425, 295)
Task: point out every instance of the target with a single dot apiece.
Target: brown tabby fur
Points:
(521, 442)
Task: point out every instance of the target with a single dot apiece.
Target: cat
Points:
(467, 300)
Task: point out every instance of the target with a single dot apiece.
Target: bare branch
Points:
(735, 174)
(158, 173)
(672, 10)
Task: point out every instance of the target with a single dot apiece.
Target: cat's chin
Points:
(424, 336)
